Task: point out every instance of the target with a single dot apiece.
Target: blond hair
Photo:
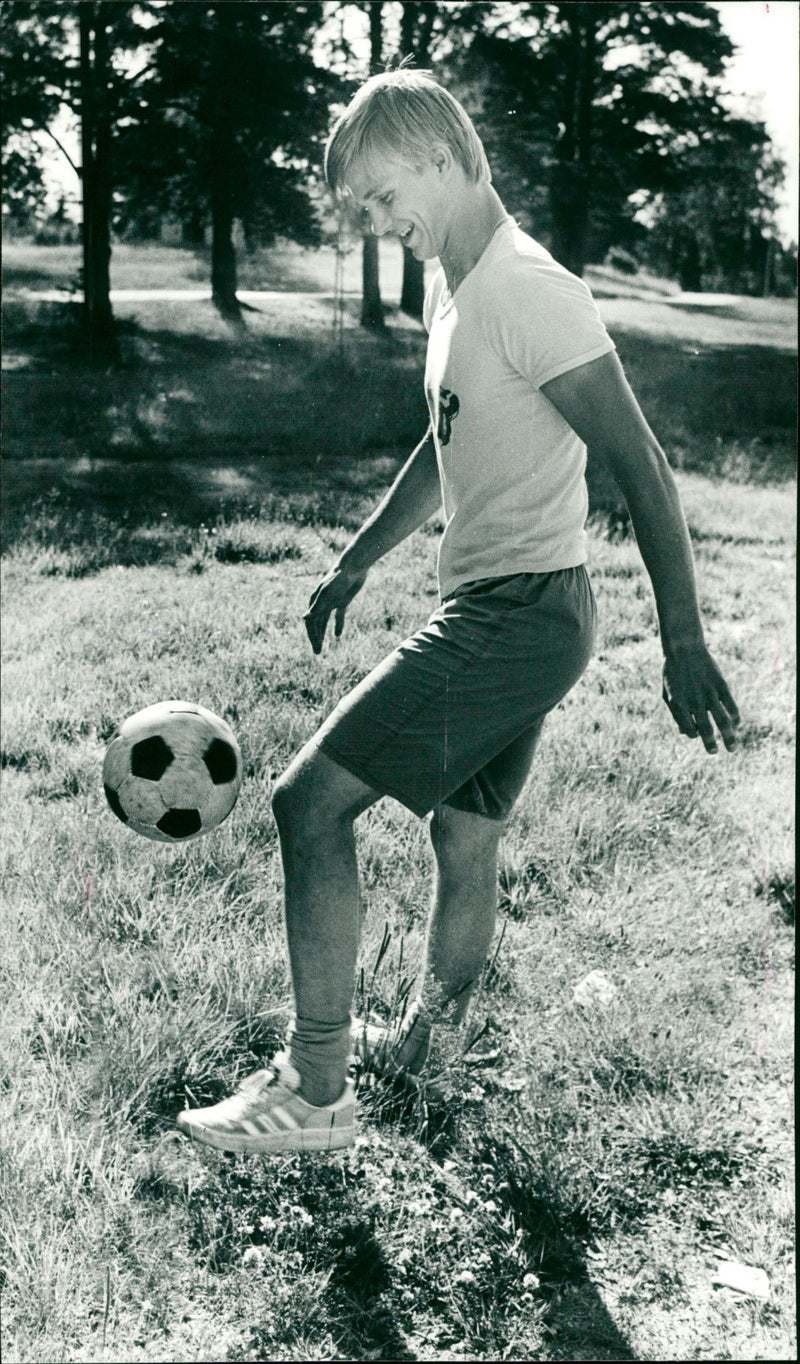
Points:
(403, 114)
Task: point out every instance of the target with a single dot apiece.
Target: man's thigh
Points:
(493, 790)
(315, 785)
(467, 694)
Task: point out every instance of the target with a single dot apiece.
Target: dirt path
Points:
(708, 320)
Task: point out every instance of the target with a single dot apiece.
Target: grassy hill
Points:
(165, 523)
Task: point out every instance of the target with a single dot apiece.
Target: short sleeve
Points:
(544, 320)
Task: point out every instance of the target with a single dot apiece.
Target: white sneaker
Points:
(268, 1115)
(378, 1047)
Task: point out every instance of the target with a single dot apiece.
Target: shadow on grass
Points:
(317, 1215)
(194, 428)
(578, 1322)
(309, 1206)
(725, 411)
(360, 1280)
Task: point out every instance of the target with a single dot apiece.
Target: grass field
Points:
(165, 523)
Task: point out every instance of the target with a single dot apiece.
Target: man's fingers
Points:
(700, 700)
(728, 702)
(706, 731)
(333, 594)
(696, 722)
(315, 622)
(726, 718)
(685, 722)
(680, 714)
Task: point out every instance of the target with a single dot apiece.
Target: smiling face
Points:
(410, 203)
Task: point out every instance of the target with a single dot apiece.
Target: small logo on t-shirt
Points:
(448, 410)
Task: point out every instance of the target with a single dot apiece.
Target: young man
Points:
(521, 377)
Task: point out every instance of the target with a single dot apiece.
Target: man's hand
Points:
(697, 693)
(334, 593)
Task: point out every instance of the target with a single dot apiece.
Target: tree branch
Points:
(64, 151)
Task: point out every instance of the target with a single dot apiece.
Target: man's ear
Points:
(442, 159)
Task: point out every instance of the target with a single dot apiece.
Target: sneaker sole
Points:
(273, 1143)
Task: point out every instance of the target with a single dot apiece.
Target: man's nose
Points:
(380, 221)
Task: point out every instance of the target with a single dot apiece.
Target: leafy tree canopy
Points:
(245, 71)
(586, 103)
(32, 58)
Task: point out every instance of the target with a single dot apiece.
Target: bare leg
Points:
(461, 925)
(315, 804)
(465, 904)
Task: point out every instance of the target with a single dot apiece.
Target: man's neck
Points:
(472, 227)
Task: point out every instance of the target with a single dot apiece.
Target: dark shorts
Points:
(453, 715)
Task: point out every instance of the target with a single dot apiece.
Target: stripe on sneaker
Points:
(284, 1119)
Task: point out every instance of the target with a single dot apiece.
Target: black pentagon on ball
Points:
(150, 758)
(114, 801)
(220, 759)
(180, 823)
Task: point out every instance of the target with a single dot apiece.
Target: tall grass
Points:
(566, 1199)
(566, 1187)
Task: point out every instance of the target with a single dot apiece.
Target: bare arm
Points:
(599, 405)
(413, 497)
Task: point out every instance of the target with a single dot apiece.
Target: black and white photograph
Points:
(399, 455)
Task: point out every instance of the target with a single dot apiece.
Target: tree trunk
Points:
(412, 297)
(96, 181)
(371, 305)
(224, 278)
(690, 273)
(768, 287)
(567, 194)
(223, 150)
(414, 42)
(571, 176)
(193, 226)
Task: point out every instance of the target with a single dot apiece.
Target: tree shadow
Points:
(236, 1211)
(578, 1322)
(194, 426)
(357, 1289)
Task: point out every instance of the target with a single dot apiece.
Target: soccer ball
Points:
(172, 771)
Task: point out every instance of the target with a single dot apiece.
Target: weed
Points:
(779, 891)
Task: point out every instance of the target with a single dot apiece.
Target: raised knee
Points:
(316, 798)
(292, 801)
(303, 806)
(282, 799)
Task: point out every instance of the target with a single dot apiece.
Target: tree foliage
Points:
(714, 231)
(604, 122)
(55, 57)
(225, 124)
(587, 103)
(33, 46)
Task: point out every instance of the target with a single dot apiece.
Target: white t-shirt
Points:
(512, 469)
